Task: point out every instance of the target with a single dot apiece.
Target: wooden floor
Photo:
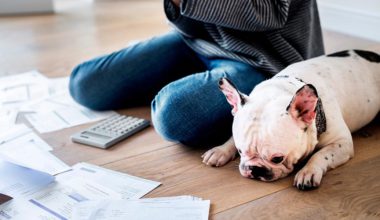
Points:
(54, 44)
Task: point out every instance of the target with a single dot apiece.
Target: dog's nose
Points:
(263, 172)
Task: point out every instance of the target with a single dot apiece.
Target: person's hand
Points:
(177, 2)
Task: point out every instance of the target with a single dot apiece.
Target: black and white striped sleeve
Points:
(244, 15)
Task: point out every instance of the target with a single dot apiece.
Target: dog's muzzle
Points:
(261, 173)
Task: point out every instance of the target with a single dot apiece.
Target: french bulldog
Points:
(308, 110)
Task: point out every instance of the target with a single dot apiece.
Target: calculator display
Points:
(94, 135)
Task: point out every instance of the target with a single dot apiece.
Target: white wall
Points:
(359, 18)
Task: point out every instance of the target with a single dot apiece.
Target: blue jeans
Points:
(187, 105)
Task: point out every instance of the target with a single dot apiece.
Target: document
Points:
(143, 209)
(18, 181)
(22, 209)
(23, 147)
(16, 90)
(86, 182)
(59, 199)
(7, 119)
(129, 187)
(47, 100)
(61, 111)
(20, 134)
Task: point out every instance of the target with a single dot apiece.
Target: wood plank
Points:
(145, 141)
(71, 36)
(181, 172)
(350, 192)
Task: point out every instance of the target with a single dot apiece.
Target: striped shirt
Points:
(267, 34)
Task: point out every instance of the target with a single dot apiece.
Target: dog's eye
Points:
(239, 151)
(277, 160)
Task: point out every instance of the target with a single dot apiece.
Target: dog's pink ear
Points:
(303, 105)
(233, 96)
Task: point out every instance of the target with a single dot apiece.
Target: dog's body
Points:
(314, 104)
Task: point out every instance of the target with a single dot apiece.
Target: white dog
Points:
(311, 106)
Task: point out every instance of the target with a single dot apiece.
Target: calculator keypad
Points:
(116, 128)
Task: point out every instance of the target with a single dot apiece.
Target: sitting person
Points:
(178, 72)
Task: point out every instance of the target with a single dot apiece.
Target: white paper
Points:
(20, 134)
(21, 146)
(29, 155)
(130, 187)
(19, 89)
(18, 181)
(21, 209)
(7, 119)
(60, 111)
(49, 100)
(60, 198)
(142, 210)
(57, 85)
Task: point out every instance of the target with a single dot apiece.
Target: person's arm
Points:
(245, 15)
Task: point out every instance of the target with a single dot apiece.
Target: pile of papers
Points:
(20, 145)
(35, 184)
(88, 192)
(47, 102)
(180, 207)
(37, 195)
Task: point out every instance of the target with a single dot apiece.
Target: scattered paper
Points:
(23, 147)
(86, 183)
(19, 181)
(20, 134)
(60, 111)
(21, 209)
(129, 187)
(7, 119)
(47, 102)
(59, 199)
(19, 89)
(143, 209)
(29, 155)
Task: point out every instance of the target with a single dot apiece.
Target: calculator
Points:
(110, 131)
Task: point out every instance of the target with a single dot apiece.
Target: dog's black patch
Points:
(326, 158)
(282, 76)
(320, 118)
(299, 80)
(343, 53)
(368, 55)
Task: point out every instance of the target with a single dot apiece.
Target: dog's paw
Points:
(219, 156)
(308, 178)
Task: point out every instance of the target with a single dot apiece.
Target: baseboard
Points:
(10, 7)
(350, 20)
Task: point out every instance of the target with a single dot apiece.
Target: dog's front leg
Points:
(220, 155)
(330, 156)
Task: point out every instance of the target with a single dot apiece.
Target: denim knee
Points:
(163, 117)
(83, 89)
(179, 116)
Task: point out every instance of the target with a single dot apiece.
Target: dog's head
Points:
(272, 132)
